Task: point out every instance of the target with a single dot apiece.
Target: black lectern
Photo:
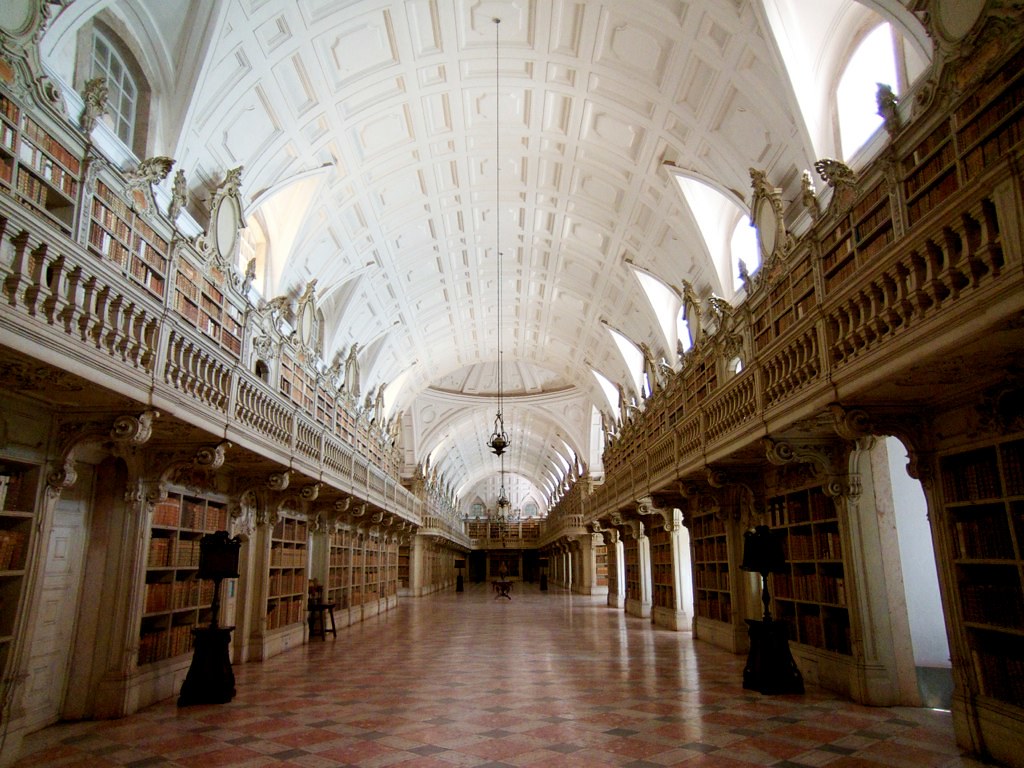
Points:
(770, 667)
(210, 679)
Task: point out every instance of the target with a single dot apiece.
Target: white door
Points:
(55, 616)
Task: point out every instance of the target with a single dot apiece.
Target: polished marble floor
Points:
(544, 679)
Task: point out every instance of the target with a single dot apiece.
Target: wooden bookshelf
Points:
(289, 579)
(403, 566)
(10, 119)
(18, 508)
(601, 565)
(118, 234)
(990, 122)
(930, 173)
(339, 569)
(711, 575)
(631, 550)
(983, 500)
(662, 583)
(176, 600)
(37, 166)
(811, 595)
(200, 297)
(699, 381)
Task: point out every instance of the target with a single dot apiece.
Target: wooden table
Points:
(503, 587)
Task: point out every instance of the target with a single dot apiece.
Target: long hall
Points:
(473, 679)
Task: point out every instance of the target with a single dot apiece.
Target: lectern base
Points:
(210, 679)
(770, 667)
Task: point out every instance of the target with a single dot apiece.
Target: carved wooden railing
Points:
(62, 303)
(922, 283)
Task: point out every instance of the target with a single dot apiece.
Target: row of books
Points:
(10, 488)
(288, 557)
(814, 588)
(165, 644)
(718, 609)
(9, 109)
(710, 579)
(971, 476)
(291, 530)
(168, 552)
(35, 133)
(56, 175)
(1001, 676)
(998, 604)
(12, 549)
(281, 613)
(287, 583)
(176, 595)
(984, 537)
(711, 550)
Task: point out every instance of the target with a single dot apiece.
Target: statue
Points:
(650, 370)
(352, 372)
(95, 98)
(808, 196)
(887, 110)
(378, 406)
(692, 312)
(178, 196)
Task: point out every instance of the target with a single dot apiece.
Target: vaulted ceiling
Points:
(391, 149)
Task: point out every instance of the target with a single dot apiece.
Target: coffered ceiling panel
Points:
(409, 108)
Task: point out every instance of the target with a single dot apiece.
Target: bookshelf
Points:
(990, 122)
(662, 583)
(10, 118)
(118, 234)
(930, 173)
(200, 298)
(787, 302)
(983, 500)
(403, 566)
(389, 551)
(631, 549)
(811, 595)
(339, 569)
(601, 565)
(18, 487)
(711, 576)
(699, 381)
(37, 166)
(286, 595)
(175, 599)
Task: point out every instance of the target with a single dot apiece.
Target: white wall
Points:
(920, 579)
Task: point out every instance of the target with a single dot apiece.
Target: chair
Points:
(318, 612)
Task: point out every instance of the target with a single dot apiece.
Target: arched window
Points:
(122, 92)
(873, 62)
(530, 509)
(103, 52)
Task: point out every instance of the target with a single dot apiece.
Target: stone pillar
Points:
(587, 576)
(673, 616)
(616, 568)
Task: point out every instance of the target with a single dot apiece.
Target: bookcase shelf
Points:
(38, 167)
(118, 234)
(711, 576)
(631, 555)
(339, 569)
(176, 600)
(983, 500)
(601, 565)
(403, 566)
(661, 569)
(199, 297)
(810, 596)
(18, 488)
(289, 579)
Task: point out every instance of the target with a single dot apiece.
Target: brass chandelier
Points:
(498, 441)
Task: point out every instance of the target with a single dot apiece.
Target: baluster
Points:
(54, 301)
(935, 261)
(112, 338)
(954, 277)
(13, 281)
(71, 307)
(36, 264)
(99, 320)
(150, 334)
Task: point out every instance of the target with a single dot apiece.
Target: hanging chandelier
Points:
(498, 441)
